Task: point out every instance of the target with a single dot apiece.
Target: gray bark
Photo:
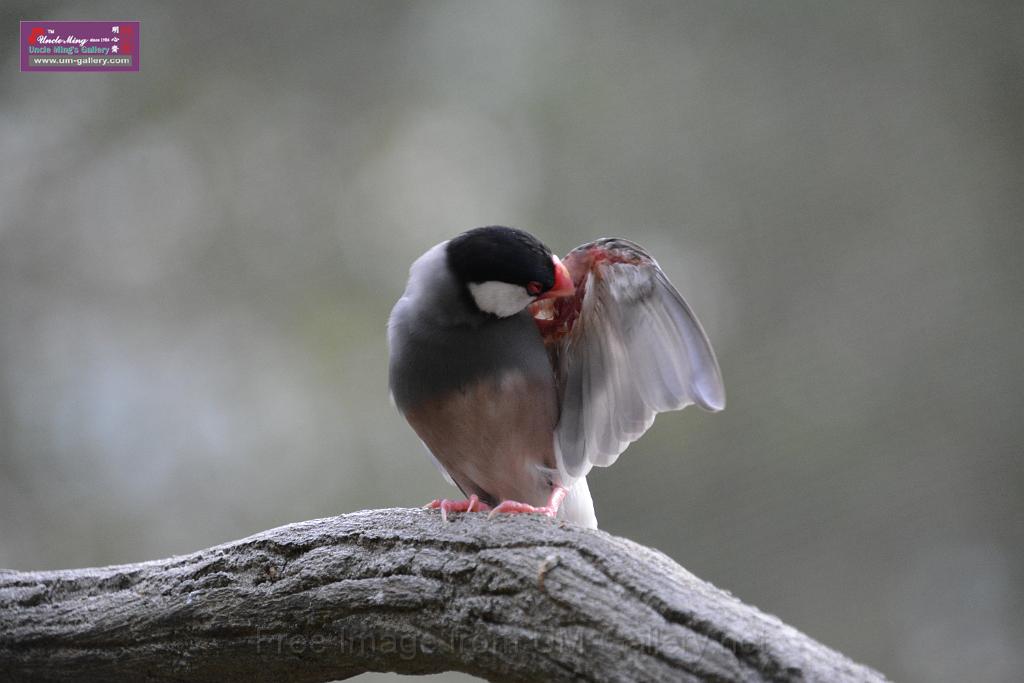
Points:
(515, 598)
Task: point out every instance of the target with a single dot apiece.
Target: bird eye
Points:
(534, 288)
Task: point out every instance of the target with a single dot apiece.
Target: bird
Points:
(521, 371)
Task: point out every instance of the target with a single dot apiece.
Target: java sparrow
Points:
(520, 371)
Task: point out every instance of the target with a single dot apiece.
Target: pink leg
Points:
(446, 506)
(558, 494)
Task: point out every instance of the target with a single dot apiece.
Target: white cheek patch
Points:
(499, 298)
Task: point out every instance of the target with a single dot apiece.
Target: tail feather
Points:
(578, 506)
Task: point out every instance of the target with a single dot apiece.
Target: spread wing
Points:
(625, 347)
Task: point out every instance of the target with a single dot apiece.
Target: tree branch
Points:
(514, 598)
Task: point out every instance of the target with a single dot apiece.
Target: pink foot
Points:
(558, 494)
(446, 506)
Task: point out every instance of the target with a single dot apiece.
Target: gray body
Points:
(478, 390)
(439, 342)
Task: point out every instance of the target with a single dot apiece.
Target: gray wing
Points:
(630, 348)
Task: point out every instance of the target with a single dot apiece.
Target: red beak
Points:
(563, 282)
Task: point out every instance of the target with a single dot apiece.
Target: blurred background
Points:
(197, 262)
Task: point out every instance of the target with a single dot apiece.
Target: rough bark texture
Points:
(515, 598)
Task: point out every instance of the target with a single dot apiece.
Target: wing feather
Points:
(626, 349)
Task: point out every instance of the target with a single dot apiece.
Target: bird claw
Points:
(558, 494)
(515, 507)
(473, 504)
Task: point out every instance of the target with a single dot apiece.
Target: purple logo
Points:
(79, 46)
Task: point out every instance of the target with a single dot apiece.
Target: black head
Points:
(499, 254)
(504, 270)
